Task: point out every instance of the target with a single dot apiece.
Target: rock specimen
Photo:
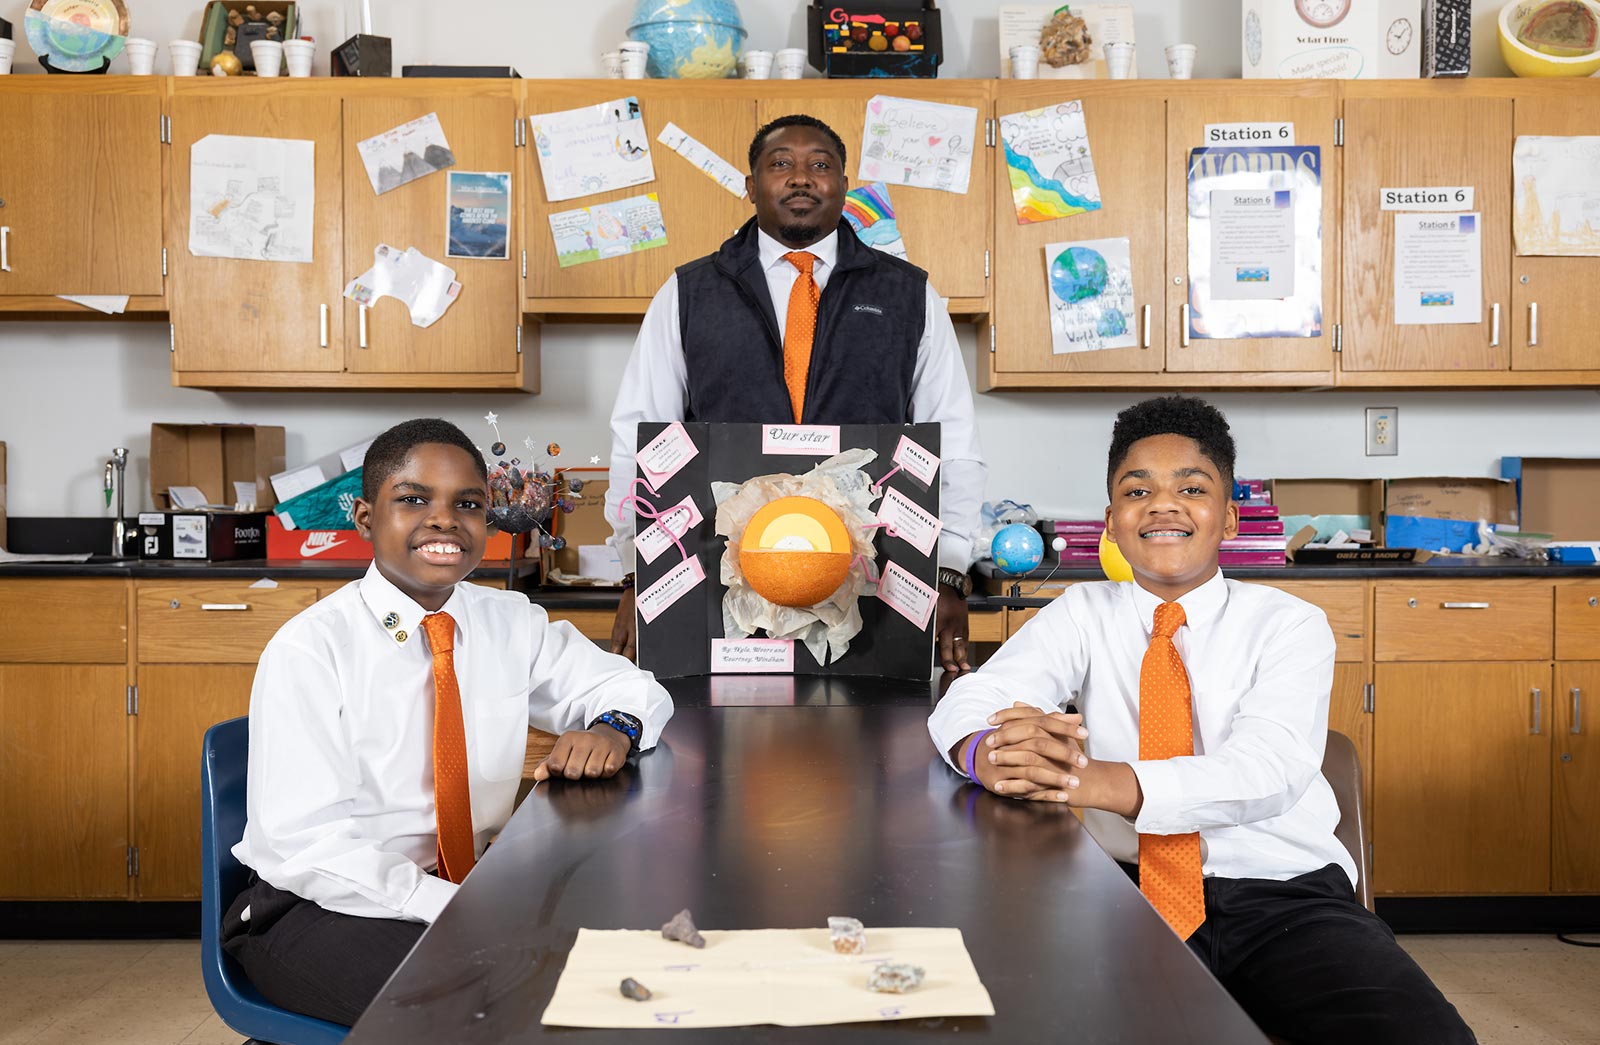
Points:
(848, 935)
(682, 929)
(1065, 40)
(895, 978)
(632, 988)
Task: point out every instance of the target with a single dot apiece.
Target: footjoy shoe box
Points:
(203, 535)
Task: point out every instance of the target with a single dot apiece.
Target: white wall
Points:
(70, 391)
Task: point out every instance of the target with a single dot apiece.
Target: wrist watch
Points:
(629, 581)
(625, 724)
(961, 582)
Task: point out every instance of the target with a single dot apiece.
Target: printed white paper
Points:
(405, 153)
(715, 167)
(425, 286)
(1252, 244)
(593, 149)
(924, 144)
(1438, 269)
(252, 198)
(1090, 287)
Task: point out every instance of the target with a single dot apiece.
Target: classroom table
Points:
(774, 802)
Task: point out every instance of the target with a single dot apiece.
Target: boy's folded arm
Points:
(572, 682)
(302, 781)
(1273, 751)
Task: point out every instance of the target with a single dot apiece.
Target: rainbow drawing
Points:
(871, 215)
(1052, 139)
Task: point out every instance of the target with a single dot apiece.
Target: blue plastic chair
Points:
(222, 878)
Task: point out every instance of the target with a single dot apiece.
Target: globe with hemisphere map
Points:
(689, 39)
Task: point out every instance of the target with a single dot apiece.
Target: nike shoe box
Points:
(283, 543)
(209, 536)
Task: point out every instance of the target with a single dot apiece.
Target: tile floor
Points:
(1513, 990)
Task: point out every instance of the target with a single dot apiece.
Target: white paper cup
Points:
(141, 56)
(757, 65)
(297, 55)
(1025, 62)
(791, 63)
(611, 65)
(185, 56)
(268, 55)
(1119, 61)
(1180, 61)
(8, 50)
(635, 59)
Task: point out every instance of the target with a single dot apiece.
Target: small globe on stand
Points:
(1017, 549)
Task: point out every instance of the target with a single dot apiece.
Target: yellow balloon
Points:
(1112, 563)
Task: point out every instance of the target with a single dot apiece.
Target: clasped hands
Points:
(1039, 756)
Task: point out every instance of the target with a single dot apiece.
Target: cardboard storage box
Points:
(214, 457)
(1328, 505)
(833, 50)
(1442, 513)
(1557, 495)
(1360, 39)
(213, 536)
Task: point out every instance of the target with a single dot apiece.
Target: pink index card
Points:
(681, 517)
(916, 459)
(673, 585)
(749, 656)
(817, 440)
(909, 522)
(906, 595)
(666, 454)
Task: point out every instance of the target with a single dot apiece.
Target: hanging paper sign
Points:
(1249, 134)
(909, 522)
(818, 440)
(674, 585)
(1452, 198)
(917, 460)
(677, 520)
(666, 454)
(906, 595)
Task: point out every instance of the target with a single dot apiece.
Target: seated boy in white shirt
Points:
(1197, 756)
(388, 729)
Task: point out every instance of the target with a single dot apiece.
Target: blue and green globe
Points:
(1017, 549)
(1078, 273)
(689, 39)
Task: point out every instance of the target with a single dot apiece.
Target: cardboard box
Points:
(1442, 513)
(584, 527)
(1364, 40)
(833, 52)
(213, 457)
(212, 536)
(1328, 505)
(1556, 495)
(348, 545)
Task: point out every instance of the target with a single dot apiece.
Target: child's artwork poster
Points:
(608, 230)
(871, 215)
(927, 145)
(1091, 296)
(1557, 183)
(593, 149)
(1049, 162)
(1255, 266)
(479, 215)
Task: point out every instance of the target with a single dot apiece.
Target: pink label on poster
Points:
(917, 460)
(666, 454)
(750, 656)
(674, 585)
(681, 517)
(909, 522)
(906, 595)
(818, 440)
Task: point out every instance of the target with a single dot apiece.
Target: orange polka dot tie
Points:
(799, 330)
(452, 797)
(1169, 865)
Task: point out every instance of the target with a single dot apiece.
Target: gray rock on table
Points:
(682, 929)
(848, 935)
(632, 988)
(895, 978)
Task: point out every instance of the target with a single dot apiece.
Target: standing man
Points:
(795, 320)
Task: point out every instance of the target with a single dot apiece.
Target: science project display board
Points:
(884, 482)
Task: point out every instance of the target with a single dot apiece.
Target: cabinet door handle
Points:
(5, 248)
(1144, 317)
(1533, 324)
(216, 607)
(361, 324)
(1494, 326)
(1183, 321)
(1538, 711)
(1577, 710)
(1463, 605)
(324, 341)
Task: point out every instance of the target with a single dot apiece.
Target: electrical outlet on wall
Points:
(1383, 431)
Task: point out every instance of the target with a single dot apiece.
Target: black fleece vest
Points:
(869, 323)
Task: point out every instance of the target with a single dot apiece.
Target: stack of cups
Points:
(185, 56)
(791, 63)
(757, 65)
(141, 56)
(1025, 62)
(635, 59)
(1180, 61)
(611, 65)
(8, 50)
(297, 55)
(1119, 61)
(268, 55)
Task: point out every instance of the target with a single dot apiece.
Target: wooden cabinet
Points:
(216, 622)
(1467, 620)
(80, 188)
(1575, 780)
(1578, 620)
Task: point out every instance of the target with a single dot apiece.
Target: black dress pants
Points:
(310, 960)
(1310, 964)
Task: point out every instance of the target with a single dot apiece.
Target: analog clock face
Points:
(1399, 36)
(1322, 13)
(1252, 38)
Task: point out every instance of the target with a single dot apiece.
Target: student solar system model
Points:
(786, 549)
(523, 498)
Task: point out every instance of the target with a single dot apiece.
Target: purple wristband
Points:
(972, 754)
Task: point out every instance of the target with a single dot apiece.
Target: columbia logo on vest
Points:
(874, 309)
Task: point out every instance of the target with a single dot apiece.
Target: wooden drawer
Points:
(216, 623)
(1578, 620)
(1463, 620)
(986, 626)
(1345, 603)
(64, 620)
(591, 624)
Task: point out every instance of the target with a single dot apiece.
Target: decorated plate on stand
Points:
(76, 36)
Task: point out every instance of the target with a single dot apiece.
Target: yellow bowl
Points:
(1524, 60)
(794, 578)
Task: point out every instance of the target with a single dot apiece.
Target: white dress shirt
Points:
(340, 807)
(655, 387)
(1260, 666)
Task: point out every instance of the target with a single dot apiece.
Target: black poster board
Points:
(678, 641)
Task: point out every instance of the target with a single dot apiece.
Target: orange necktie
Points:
(799, 330)
(452, 798)
(1169, 865)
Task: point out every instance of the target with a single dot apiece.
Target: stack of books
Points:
(1261, 541)
(1082, 537)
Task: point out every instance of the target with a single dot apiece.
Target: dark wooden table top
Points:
(824, 797)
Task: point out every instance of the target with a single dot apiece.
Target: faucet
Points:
(118, 464)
